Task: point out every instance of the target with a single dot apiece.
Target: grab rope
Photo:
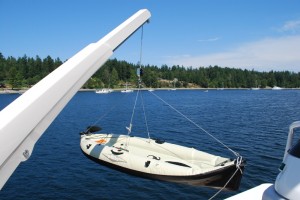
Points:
(235, 153)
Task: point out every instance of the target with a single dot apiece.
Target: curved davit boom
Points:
(25, 120)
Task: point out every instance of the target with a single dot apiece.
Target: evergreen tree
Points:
(114, 78)
(25, 71)
(2, 69)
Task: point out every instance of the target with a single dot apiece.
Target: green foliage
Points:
(25, 72)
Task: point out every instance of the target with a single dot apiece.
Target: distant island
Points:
(23, 72)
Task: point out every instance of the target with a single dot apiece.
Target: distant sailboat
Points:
(174, 88)
(255, 88)
(105, 90)
(126, 90)
(151, 89)
(222, 88)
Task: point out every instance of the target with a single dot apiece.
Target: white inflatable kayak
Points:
(156, 159)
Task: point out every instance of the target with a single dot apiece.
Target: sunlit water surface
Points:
(253, 123)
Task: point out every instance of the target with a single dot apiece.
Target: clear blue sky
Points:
(259, 34)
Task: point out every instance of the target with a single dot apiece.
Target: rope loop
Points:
(239, 161)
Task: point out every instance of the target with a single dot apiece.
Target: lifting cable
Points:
(205, 131)
(145, 118)
(139, 74)
(239, 158)
(133, 110)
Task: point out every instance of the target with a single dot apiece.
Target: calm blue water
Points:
(253, 123)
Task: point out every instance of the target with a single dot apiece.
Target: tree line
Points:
(23, 72)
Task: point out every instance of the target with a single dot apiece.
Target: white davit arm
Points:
(25, 120)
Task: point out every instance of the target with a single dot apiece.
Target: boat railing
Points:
(289, 142)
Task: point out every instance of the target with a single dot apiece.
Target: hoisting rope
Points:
(130, 124)
(145, 116)
(141, 47)
(129, 128)
(180, 113)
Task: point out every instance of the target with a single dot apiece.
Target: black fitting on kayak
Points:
(147, 163)
(159, 141)
(91, 129)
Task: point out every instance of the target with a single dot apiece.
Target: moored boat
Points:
(104, 91)
(276, 88)
(126, 90)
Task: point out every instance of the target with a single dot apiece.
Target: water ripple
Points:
(255, 124)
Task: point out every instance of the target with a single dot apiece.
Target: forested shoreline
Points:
(23, 72)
